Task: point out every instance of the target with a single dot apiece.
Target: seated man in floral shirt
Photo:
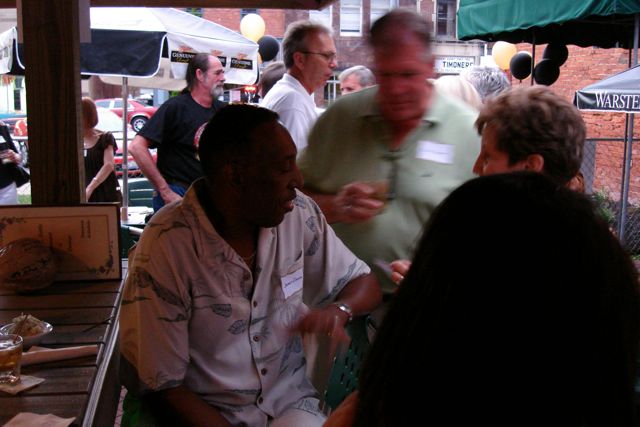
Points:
(223, 282)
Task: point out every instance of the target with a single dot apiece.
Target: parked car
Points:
(137, 113)
(107, 122)
(10, 118)
(111, 122)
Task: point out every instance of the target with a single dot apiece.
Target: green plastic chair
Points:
(136, 414)
(343, 379)
(140, 192)
(128, 237)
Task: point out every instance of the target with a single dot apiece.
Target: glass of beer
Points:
(10, 358)
(380, 178)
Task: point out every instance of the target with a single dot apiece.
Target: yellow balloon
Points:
(252, 26)
(502, 53)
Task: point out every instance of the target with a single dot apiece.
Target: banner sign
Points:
(453, 64)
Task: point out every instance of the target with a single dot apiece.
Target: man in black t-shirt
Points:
(174, 131)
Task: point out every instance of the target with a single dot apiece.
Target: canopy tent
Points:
(152, 46)
(603, 23)
(164, 79)
(618, 93)
(130, 42)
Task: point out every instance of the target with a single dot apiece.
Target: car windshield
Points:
(108, 121)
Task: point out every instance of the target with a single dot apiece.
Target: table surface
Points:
(136, 216)
(81, 313)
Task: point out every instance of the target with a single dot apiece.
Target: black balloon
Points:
(556, 52)
(546, 72)
(268, 47)
(520, 65)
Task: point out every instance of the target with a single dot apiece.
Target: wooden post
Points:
(52, 76)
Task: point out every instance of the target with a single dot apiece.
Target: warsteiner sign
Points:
(453, 64)
(620, 93)
(602, 101)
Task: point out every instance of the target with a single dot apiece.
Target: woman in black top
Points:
(99, 149)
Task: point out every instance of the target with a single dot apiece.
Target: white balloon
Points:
(252, 26)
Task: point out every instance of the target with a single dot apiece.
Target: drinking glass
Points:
(10, 358)
(380, 177)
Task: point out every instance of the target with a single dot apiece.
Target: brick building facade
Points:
(603, 158)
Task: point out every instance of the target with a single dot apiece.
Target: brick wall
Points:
(586, 66)
(230, 18)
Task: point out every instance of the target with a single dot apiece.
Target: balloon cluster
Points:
(546, 72)
(252, 27)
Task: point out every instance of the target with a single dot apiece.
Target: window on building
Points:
(350, 17)
(380, 7)
(245, 12)
(332, 88)
(446, 18)
(322, 16)
(196, 11)
(17, 101)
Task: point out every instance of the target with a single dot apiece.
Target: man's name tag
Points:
(291, 283)
(436, 152)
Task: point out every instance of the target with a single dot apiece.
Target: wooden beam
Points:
(257, 4)
(52, 76)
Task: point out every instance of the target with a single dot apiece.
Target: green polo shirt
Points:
(350, 140)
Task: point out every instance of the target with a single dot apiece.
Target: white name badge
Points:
(436, 152)
(291, 283)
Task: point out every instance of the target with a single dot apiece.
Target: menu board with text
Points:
(84, 238)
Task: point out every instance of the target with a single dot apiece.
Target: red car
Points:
(137, 114)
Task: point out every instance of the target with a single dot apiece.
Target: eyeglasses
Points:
(328, 56)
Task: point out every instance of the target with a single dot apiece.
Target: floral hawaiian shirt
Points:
(194, 314)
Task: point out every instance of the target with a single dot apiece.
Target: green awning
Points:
(603, 23)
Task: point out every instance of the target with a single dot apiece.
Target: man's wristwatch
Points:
(343, 306)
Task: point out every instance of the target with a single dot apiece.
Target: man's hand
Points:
(357, 202)
(328, 321)
(399, 269)
(168, 195)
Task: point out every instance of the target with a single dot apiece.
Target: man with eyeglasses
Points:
(310, 57)
(380, 160)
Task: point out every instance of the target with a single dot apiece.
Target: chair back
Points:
(346, 366)
(140, 192)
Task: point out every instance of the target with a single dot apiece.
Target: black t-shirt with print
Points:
(172, 130)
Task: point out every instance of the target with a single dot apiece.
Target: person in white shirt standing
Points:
(310, 57)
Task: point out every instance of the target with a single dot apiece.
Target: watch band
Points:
(343, 306)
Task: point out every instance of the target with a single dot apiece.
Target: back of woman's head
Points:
(520, 308)
(89, 113)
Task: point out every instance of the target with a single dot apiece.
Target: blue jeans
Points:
(158, 202)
